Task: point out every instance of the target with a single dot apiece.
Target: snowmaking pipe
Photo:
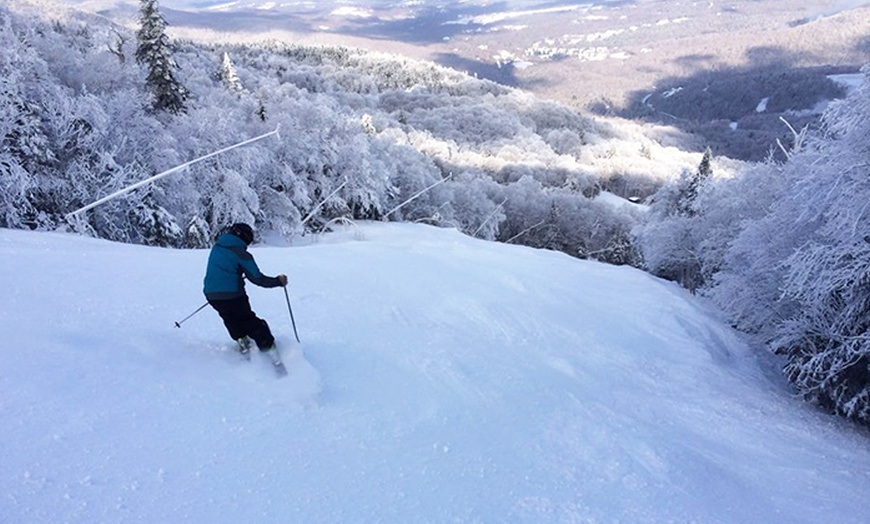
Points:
(168, 172)
(417, 194)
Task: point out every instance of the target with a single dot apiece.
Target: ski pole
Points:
(180, 322)
(290, 309)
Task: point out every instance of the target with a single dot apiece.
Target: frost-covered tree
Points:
(261, 110)
(794, 266)
(228, 76)
(669, 237)
(18, 130)
(196, 233)
(154, 51)
(675, 239)
(692, 185)
(827, 338)
(154, 224)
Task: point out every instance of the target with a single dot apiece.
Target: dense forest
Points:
(362, 136)
(88, 108)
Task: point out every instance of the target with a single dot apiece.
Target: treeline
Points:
(784, 250)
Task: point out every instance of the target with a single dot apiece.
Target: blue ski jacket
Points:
(228, 263)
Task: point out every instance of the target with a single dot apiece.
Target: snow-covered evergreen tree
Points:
(692, 185)
(228, 76)
(261, 110)
(154, 224)
(155, 52)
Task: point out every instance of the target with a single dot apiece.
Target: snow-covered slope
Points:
(444, 379)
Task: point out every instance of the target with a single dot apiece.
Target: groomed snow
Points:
(444, 379)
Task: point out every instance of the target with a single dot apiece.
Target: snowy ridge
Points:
(443, 379)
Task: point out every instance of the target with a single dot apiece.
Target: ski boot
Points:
(245, 347)
(275, 357)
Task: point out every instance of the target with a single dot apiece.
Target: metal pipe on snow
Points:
(167, 172)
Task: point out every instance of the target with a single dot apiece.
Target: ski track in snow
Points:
(439, 379)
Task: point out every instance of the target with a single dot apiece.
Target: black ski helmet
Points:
(243, 231)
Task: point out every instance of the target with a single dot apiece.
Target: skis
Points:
(245, 344)
(277, 363)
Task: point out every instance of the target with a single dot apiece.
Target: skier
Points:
(224, 287)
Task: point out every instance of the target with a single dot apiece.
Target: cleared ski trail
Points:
(439, 379)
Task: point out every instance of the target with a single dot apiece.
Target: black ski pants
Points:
(240, 321)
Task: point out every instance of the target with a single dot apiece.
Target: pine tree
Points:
(261, 111)
(155, 53)
(229, 77)
(690, 192)
(704, 169)
(154, 224)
